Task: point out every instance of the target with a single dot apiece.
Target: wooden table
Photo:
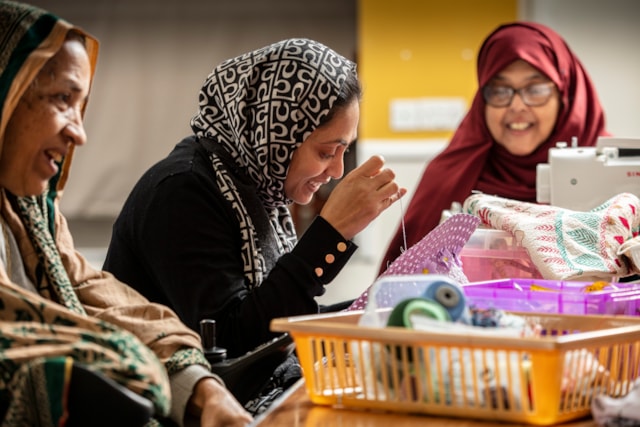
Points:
(294, 409)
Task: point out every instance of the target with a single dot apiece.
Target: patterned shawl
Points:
(258, 108)
(30, 37)
(473, 161)
(79, 314)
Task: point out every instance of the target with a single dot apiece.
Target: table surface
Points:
(294, 409)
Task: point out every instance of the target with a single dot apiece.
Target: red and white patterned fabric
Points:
(566, 244)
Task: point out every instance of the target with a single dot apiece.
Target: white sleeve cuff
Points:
(182, 384)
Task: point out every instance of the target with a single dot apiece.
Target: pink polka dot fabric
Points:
(436, 253)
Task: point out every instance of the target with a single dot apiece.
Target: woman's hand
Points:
(361, 196)
(216, 406)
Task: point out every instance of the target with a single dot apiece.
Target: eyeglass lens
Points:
(533, 95)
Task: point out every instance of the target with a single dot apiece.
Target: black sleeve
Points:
(189, 241)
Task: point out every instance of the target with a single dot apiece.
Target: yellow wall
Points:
(417, 49)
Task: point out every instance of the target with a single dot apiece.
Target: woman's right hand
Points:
(215, 406)
(361, 196)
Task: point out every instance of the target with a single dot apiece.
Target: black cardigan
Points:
(177, 242)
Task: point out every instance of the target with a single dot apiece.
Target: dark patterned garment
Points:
(56, 312)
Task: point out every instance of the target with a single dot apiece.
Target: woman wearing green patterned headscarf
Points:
(57, 314)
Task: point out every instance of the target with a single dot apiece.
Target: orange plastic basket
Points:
(539, 381)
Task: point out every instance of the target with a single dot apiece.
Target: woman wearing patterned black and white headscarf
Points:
(207, 230)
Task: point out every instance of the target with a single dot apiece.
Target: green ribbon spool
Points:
(402, 312)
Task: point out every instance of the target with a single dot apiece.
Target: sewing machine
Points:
(581, 178)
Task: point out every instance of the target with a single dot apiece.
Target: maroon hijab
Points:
(472, 161)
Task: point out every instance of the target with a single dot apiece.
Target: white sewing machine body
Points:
(581, 178)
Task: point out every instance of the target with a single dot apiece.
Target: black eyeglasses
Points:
(535, 95)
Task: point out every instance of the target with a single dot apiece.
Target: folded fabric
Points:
(436, 253)
(631, 251)
(618, 412)
(565, 244)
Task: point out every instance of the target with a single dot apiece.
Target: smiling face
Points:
(321, 156)
(46, 121)
(518, 127)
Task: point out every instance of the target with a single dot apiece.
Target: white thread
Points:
(404, 232)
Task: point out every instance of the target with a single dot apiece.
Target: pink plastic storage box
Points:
(495, 254)
(556, 297)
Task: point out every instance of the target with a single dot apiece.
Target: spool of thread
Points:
(401, 316)
(402, 312)
(449, 295)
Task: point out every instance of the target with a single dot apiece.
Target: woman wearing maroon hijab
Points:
(503, 137)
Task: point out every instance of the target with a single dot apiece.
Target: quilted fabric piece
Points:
(566, 244)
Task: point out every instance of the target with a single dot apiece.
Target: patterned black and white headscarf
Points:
(259, 107)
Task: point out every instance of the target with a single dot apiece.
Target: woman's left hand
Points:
(361, 196)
